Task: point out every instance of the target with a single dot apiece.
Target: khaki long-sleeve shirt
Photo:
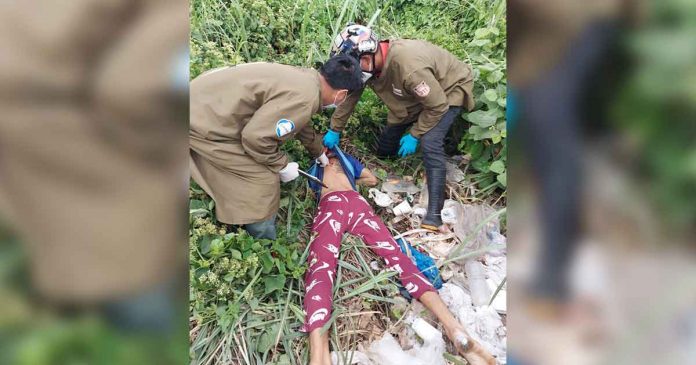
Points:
(419, 82)
(240, 117)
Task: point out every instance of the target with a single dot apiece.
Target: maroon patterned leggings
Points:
(338, 213)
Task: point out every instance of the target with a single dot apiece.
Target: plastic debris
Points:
(468, 218)
(497, 239)
(402, 208)
(423, 329)
(500, 301)
(470, 284)
(480, 292)
(403, 185)
(351, 358)
(483, 323)
(496, 272)
(454, 173)
(486, 327)
(449, 212)
(424, 263)
(386, 351)
(380, 198)
(430, 352)
(454, 296)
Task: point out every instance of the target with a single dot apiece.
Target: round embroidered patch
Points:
(284, 126)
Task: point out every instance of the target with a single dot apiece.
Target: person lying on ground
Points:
(343, 210)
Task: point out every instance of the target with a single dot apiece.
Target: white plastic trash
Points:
(449, 212)
(402, 208)
(483, 324)
(424, 329)
(419, 211)
(386, 351)
(380, 198)
(476, 278)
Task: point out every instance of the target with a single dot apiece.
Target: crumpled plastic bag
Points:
(386, 351)
(449, 211)
(380, 198)
(467, 217)
(454, 173)
(482, 323)
(425, 263)
(397, 185)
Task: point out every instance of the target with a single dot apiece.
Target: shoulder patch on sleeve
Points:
(284, 126)
(422, 89)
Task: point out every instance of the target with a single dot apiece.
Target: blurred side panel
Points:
(93, 181)
(602, 193)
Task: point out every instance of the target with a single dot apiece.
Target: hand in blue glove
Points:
(331, 138)
(408, 145)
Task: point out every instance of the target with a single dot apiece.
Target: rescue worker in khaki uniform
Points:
(241, 115)
(424, 88)
(93, 153)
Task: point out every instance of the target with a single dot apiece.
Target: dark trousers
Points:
(260, 230)
(432, 143)
(550, 127)
(433, 146)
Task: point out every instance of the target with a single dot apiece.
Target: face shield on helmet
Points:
(358, 41)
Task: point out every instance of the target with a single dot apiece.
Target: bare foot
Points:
(474, 353)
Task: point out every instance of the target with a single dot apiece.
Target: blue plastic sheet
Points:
(425, 264)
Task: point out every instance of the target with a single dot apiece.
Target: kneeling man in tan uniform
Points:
(241, 115)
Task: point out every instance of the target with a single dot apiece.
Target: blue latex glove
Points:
(408, 145)
(331, 138)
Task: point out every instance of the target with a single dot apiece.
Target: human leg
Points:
(388, 142)
(473, 352)
(376, 235)
(434, 157)
(328, 228)
(319, 348)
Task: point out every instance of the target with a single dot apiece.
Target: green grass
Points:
(253, 317)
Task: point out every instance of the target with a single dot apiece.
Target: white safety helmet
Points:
(356, 40)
